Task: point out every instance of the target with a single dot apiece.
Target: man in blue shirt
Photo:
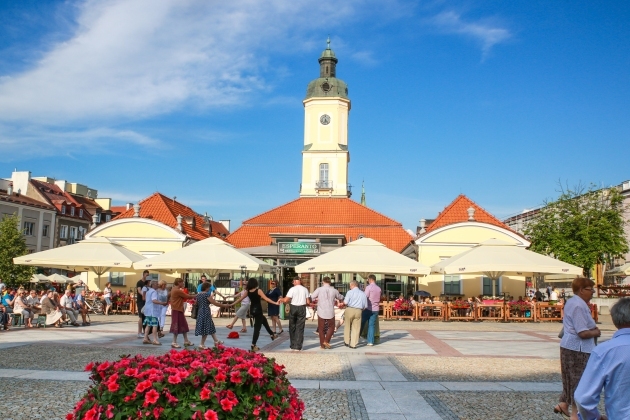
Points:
(356, 302)
(213, 290)
(609, 368)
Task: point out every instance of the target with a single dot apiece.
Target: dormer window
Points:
(63, 209)
(81, 213)
(71, 211)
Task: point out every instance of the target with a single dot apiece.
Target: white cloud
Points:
(487, 33)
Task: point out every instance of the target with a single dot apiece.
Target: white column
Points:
(40, 230)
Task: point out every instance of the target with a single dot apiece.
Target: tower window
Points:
(323, 172)
(325, 86)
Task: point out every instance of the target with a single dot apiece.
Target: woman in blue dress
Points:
(205, 325)
(274, 294)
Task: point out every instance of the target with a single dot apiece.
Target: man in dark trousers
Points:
(298, 296)
(140, 302)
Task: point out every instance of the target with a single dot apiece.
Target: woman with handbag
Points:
(178, 319)
(255, 309)
(579, 334)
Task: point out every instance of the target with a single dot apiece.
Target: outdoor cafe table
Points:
(490, 310)
(512, 313)
(551, 313)
(428, 311)
(459, 312)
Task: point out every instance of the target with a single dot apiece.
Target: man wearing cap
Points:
(326, 296)
(298, 296)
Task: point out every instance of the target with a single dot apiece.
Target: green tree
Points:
(13, 244)
(583, 227)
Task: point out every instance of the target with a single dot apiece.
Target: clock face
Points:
(324, 119)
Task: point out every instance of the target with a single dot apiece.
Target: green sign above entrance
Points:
(299, 248)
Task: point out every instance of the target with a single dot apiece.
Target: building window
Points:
(117, 279)
(81, 213)
(63, 232)
(45, 231)
(29, 228)
(71, 211)
(81, 233)
(452, 284)
(73, 232)
(487, 287)
(108, 217)
(98, 217)
(323, 172)
(63, 209)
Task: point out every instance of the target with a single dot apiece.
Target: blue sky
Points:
(202, 99)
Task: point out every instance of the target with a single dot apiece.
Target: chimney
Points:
(136, 210)
(94, 219)
(471, 213)
(423, 225)
(21, 181)
(190, 220)
(225, 223)
(10, 189)
(179, 223)
(129, 205)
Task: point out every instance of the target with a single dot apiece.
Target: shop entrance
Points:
(288, 273)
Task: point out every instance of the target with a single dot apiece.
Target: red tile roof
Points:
(457, 212)
(24, 200)
(321, 215)
(165, 210)
(118, 209)
(58, 197)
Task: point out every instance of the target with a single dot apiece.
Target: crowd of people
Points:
(31, 306)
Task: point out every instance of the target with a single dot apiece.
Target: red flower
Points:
(131, 371)
(143, 386)
(228, 404)
(92, 414)
(157, 411)
(211, 415)
(69, 416)
(269, 394)
(220, 377)
(151, 397)
(205, 394)
(89, 366)
(174, 379)
(110, 411)
(255, 372)
(235, 377)
(113, 387)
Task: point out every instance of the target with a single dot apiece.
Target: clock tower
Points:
(325, 155)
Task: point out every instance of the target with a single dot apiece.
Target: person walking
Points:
(254, 294)
(274, 294)
(107, 297)
(608, 368)
(297, 296)
(326, 296)
(577, 343)
(178, 320)
(205, 325)
(355, 302)
(140, 302)
(162, 297)
(370, 315)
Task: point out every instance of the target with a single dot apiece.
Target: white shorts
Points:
(242, 311)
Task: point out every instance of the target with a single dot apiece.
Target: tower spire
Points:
(363, 194)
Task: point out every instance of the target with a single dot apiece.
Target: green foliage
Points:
(13, 244)
(582, 227)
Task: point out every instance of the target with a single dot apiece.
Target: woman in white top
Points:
(152, 312)
(553, 296)
(162, 297)
(242, 311)
(107, 297)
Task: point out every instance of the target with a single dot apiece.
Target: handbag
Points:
(194, 311)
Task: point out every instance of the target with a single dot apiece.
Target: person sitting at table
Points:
(412, 301)
(401, 306)
(553, 297)
(34, 302)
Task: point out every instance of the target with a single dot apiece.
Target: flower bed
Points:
(218, 383)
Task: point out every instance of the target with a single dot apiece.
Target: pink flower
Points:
(143, 386)
(151, 397)
(131, 372)
(205, 394)
(110, 411)
(89, 366)
(235, 377)
(113, 387)
(269, 394)
(228, 404)
(211, 415)
(220, 377)
(255, 372)
(174, 379)
(92, 414)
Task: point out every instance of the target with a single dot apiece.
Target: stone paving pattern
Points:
(325, 404)
(27, 399)
(328, 366)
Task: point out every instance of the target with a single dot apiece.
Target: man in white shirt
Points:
(298, 296)
(67, 303)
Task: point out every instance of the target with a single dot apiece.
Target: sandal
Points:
(202, 347)
(255, 348)
(243, 330)
(218, 343)
(176, 346)
(188, 344)
(146, 341)
(558, 410)
(156, 343)
(273, 336)
(281, 331)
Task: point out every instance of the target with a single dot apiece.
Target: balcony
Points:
(324, 185)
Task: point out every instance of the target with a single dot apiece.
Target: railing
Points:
(324, 185)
